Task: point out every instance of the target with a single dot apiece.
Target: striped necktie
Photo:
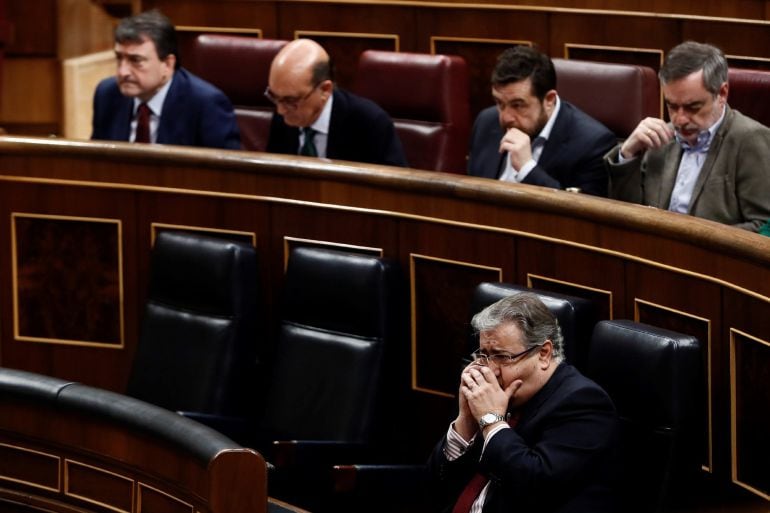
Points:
(308, 147)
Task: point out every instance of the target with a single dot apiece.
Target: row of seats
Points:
(428, 95)
(342, 326)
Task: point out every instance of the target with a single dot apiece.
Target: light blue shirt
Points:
(693, 157)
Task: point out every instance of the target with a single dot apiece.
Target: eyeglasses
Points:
(499, 359)
(290, 102)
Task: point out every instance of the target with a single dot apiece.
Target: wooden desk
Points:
(77, 221)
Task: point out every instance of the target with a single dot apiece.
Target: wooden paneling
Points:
(448, 232)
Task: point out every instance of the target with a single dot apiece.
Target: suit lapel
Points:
(671, 160)
(558, 137)
(124, 118)
(336, 136)
(173, 109)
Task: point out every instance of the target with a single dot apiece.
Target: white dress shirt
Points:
(510, 174)
(321, 127)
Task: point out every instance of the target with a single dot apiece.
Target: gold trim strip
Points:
(734, 412)
(710, 467)
(748, 58)
(351, 35)
(388, 213)
(613, 48)
(54, 457)
(323, 244)
(14, 281)
(572, 284)
(219, 30)
(413, 310)
(154, 231)
(67, 493)
(143, 486)
(541, 9)
(512, 42)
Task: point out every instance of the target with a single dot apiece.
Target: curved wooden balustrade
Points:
(77, 220)
(68, 447)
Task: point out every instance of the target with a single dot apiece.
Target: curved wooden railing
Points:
(92, 209)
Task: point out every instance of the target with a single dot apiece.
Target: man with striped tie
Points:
(532, 433)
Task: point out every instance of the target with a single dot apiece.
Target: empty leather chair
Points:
(341, 317)
(617, 95)
(748, 88)
(198, 340)
(427, 97)
(240, 67)
(577, 316)
(654, 377)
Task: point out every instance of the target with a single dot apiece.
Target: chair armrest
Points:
(236, 428)
(371, 488)
(288, 453)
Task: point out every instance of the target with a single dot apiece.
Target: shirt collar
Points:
(321, 125)
(545, 133)
(703, 143)
(156, 102)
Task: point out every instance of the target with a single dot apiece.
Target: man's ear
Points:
(170, 62)
(545, 354)
(549, 101)
(327, 88)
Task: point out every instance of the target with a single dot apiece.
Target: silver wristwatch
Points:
(490, 418)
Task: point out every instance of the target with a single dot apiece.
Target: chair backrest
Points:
(240, 67)
(198, 337)
(748, 88)
(654, 377)
(427, 97)
(617, 95)
(340, 311)
(576, 316)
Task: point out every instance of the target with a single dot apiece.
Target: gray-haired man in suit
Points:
(710, 161)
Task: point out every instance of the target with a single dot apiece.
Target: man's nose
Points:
(123, 68)
(507, 117)
(678, 117)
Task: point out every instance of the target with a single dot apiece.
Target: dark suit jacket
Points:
(572, 156)
(195, 113)
(559, 458)
(359, 130)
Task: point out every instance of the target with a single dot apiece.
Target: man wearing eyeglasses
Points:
(314, 118)
(154, 100)
(710, 161)
(532, 433)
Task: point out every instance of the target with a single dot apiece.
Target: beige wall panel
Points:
(80, 75)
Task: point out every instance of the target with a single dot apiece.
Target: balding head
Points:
(300, 72)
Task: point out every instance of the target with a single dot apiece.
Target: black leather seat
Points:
(577, 316)
(654, 377)
(341, 315)
(198, 339)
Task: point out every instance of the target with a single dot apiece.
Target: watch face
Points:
(488, 418)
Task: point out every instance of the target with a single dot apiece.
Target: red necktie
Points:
(142, 123)
(477, 483)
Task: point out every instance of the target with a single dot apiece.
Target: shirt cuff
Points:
(455, 444)
(525, 169)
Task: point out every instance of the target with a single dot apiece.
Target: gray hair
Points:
(536, 323)
(690, 57)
